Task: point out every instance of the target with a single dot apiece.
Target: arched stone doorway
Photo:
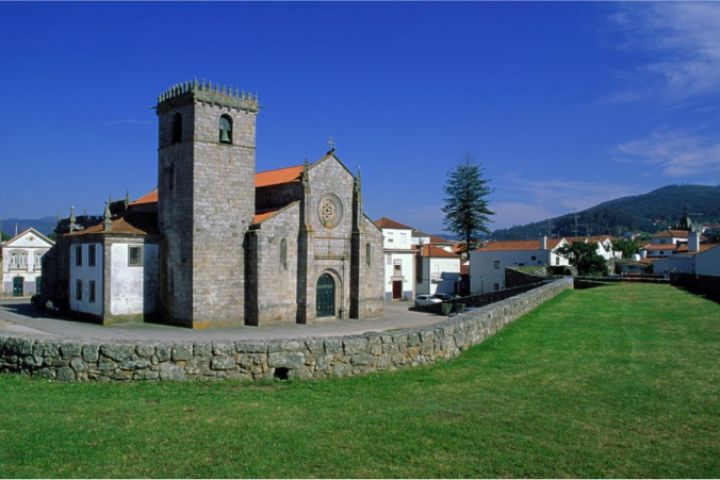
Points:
(325, 296)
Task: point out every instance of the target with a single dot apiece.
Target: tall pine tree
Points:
(466, 204)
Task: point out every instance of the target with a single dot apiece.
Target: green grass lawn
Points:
(616, 381)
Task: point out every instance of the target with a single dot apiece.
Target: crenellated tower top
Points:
(213, 93)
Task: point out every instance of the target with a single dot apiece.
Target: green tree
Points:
(585, 258)
(627, 246)
(4, 236)
(466, 204)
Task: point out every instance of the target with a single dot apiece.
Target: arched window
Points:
(368, 253)
(176, 134)
(225, 129)
(283, 253)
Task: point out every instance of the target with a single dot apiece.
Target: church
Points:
(218, 244)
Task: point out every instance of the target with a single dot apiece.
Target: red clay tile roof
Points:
(703, 247)
(261, 217)
(278, 176)
(262, 179)
(436, 252)
(672, 233)
(511, 245)
(385, 222)
(653, 246)
(592, 239)
(150, 197)
(436, 240)
(141, 225)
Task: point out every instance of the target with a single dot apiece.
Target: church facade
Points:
(217, 244)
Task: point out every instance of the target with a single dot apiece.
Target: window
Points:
(496, 264)
(135, 256)
(91, 255)
(283, 253)
(368, 254)
(176, 133)
(225, 129)
(78, 289)
(557, 260)
(78, 256)
(397, 266)
(496, 286)
(91, 294)
(419, 270)
(38, 285)
(533, 257)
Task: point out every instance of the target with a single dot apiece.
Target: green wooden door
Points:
(325, 296)
(18, 287)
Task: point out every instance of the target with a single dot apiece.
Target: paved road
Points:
(21, 317)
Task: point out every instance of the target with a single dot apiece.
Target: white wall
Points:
(486, 275)
(440, 275)
(86, 274)
(30, 247)
(675, 263)
(708, 262)
(397, 239)
(133, 288)
(407, 269)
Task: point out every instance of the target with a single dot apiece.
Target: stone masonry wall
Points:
(294, 358)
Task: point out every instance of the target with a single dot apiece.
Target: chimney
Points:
(543, 242)
(694, 241)
(643, 254)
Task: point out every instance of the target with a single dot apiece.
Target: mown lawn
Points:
(616, 381)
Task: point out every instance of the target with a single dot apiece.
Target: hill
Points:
(649, 212)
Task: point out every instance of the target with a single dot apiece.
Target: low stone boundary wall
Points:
(698, 284)
(77, 360)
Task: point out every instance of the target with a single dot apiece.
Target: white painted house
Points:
(438, 271)
(603, 246)
(664, 244)
(399, 259)
(488, 263)
(690, 257)
(22, 263)
(114, 269)
(707, 262)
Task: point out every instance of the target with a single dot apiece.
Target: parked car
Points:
(424, 300)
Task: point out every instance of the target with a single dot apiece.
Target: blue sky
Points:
(564, 104)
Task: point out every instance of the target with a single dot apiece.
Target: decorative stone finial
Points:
(331, 145)
(73, 225)
(107, 222)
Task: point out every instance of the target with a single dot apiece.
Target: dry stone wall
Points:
(74, 360)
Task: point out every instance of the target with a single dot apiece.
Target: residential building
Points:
(399, 259)
(438, 271)
(22, 263)
(488, 263)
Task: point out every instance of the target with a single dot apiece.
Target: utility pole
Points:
(576, 226)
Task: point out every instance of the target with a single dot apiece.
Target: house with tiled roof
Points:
(438, 270)
(664, 244)
(398, 258)
(22, 262)
(690, 257)
(217, 243)
(603, 246)
(488, 263)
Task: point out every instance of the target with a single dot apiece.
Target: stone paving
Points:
(21, 317)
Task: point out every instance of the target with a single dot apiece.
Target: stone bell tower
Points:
(206, 188)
